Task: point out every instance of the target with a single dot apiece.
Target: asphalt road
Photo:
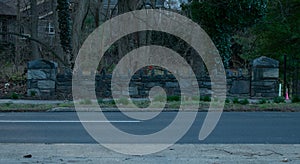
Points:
(233, 127)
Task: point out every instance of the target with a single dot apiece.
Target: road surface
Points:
(233, 127)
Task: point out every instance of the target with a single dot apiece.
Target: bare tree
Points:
(123, 7)
(34, 28)
(78, 21)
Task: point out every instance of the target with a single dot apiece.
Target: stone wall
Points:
(140, 85)
(259, 82)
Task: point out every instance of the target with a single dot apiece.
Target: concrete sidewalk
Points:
(178, 154)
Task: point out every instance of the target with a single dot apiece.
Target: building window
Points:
(50, 29)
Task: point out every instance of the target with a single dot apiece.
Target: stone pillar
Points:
(265, 75)
(41, 78)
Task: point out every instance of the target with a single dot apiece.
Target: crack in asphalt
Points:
(248, 154)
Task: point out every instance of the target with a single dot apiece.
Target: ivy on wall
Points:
(65, 26)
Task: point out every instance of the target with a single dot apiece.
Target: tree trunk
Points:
(17, 46)
(96, 5)
(123, 7)
(34, 28)
(78, 20)
(57, 46)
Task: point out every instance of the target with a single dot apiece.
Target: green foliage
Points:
(279, 32)
(64, 20)
(296, 99)
(32, 93)
(205, 99)
(244, 102)
(14, 96)
(278, 99)
(235, 100)
(8, 104)
(223, 19)
(173, 98)
(227, 101)
(262, 101)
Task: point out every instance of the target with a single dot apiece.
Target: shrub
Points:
(227, 101)
(205, 99)
(14, 96)
(295, 99)
(244, 102)
(32, 93)
(235, 100)
(278, 99)
(173, 98)
(262, 101)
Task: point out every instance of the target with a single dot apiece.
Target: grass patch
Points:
(159, 98)
(243, 106)
(123, 101)
(86, 102)
(25, 107)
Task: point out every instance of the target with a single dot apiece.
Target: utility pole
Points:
(285, 79)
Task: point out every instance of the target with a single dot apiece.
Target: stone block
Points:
(271, 73)
(36, 74)
(46, 84)
(240, 87)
